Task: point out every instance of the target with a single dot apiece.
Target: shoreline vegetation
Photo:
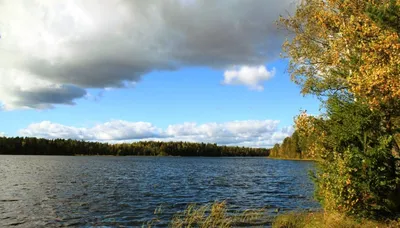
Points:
(346, 54)
(328, 219)
(218, 214)
(293, 148)
(69, 147)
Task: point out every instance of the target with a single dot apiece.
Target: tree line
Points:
(39, 146)
(293, 147)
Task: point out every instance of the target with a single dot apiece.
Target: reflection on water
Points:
(43, 191)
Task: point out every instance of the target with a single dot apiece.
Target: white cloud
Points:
(113, 130)
(250, 76)
(122, 130)
(254, 133)
(61, 48)
(47, 129)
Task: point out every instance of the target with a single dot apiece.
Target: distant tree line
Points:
(294, 147)
(38, 146)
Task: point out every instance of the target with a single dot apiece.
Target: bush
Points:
(357, 174)
(357, 183)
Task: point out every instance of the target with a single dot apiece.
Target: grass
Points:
(218, 215)
(215, 214)
(328, 220)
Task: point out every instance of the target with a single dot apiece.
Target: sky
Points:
(128, 70)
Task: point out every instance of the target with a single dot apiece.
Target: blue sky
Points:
(203, 90)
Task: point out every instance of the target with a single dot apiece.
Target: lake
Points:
(43, 191)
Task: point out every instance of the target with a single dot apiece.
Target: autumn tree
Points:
(350, 46)
(347, 52)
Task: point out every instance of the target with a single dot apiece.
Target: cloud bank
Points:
(253, 133)
(51, 52)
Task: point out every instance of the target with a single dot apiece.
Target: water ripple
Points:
(43, 191)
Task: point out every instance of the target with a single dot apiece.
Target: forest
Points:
(37, 146)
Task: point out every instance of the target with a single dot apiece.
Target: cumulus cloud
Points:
(70, 46)
(254, 133)
(109, 131)
(253, 77)
(250, 132)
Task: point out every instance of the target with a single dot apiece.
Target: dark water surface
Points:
(53, 191)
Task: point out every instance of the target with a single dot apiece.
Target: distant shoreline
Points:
(40, 146)
(160, 156)
(172, 156)
(293, 159)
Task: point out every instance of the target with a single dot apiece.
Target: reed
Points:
(217, 215)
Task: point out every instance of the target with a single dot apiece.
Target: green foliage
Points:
(346, 52)
(387, 14)
(293, 147)
(275, 151)
(35, 146)
(358, 174)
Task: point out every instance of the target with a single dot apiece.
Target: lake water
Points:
(53, 191)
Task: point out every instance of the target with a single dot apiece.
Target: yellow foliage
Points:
(306, 127)
(338, 47)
